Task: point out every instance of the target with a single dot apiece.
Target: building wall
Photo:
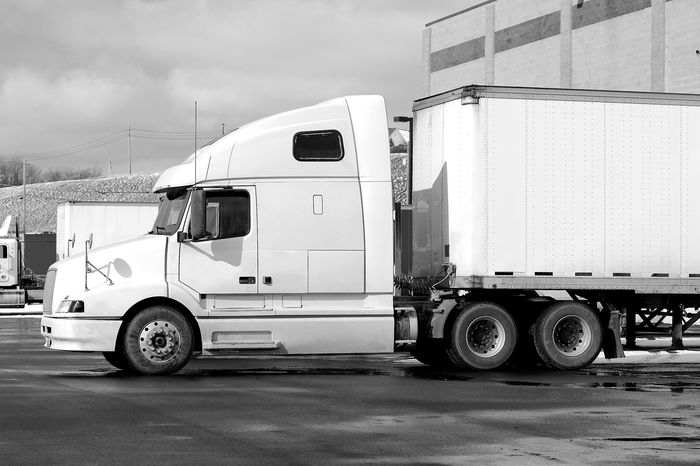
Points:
(644, 45)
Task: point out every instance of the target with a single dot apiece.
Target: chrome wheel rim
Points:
(571, 335)
(159, 341)
(485, 337)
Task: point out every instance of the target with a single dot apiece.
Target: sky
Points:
(76, 75)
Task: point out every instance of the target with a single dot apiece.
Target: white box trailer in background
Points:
(108, 222)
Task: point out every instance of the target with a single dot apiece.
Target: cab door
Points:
(225, 262)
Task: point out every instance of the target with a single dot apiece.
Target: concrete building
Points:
(639, 45)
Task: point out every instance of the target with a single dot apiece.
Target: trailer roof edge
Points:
(542, 93)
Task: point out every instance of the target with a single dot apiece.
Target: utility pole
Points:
(24, 198)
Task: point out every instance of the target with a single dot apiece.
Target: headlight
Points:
(70, 306)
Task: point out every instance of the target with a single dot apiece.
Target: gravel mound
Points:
(43, 198)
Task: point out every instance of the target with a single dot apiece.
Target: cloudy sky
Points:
(75, 74)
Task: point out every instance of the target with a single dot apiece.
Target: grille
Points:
(48, 290)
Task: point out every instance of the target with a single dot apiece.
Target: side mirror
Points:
(198, 220)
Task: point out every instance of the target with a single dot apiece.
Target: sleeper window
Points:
(318, 146)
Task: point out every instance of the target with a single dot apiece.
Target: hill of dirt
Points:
(43, 198)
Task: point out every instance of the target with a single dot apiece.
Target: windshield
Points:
(172, 206)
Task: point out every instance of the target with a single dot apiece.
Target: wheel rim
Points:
(571, 335)
(159, 341)
(485, 337)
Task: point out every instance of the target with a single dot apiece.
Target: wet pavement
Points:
(73, 408)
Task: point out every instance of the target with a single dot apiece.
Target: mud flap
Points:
(612, 346)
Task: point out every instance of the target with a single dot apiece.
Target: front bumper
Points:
(80, 334)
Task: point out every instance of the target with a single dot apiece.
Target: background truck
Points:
(18, 284)
(107, 222)
(537, 215)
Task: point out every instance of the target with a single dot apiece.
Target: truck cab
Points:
(276, 238)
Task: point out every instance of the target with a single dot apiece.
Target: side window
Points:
(3, 252)
(228, 214)
(318, 146)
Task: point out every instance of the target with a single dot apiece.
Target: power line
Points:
(110, 139)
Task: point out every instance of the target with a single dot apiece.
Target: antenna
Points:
(195, 142)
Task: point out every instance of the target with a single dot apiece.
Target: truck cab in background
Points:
(10, 292)
(275, 238)
(18, 284)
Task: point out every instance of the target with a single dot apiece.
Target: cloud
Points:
(79, 70)
(27, 96)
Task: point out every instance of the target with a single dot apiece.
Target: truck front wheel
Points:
(568, 335)
(158, 341)
(483, 337)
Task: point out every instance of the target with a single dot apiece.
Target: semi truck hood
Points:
(116, 265)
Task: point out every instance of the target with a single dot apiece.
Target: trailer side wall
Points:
(527, 185)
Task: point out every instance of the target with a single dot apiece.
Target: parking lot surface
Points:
(73, 408)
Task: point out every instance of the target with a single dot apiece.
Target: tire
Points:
(432, 352)
(568, 335)
(158, 341)
(117, 359)
(483, 337)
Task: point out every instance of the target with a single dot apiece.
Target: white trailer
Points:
(525, 190)
(277, 238)
(107, 222)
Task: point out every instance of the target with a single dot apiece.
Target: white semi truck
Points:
(18, 284)
(537, 215)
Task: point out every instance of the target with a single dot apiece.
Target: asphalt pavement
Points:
(61, 407)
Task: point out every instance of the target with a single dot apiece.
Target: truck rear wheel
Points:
(158, 341)
(568, 335)
(433, 353)
(117, 359)
(483, 337)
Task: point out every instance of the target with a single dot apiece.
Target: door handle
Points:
(246, 280)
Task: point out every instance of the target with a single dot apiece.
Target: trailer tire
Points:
(158, 341)
(117, 359)
(568, 335)
(482, 337)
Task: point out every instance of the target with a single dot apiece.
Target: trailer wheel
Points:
(568, 335)
(117, 359)
(483, 337)
(158, 341)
